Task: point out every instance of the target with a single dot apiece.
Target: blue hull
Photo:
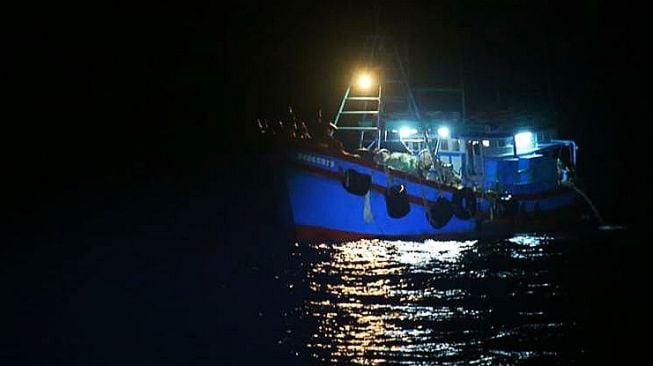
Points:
(322, 208)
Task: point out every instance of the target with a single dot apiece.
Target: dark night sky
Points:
(104, 94)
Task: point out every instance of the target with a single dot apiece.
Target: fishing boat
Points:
(391, 166)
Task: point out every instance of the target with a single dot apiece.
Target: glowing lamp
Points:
(443, 132)
(364, 81)
(524, 140)
(405, 132)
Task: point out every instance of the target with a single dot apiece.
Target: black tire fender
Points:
(464, 203)
(440, 213)
(356, 183)
(396, 201)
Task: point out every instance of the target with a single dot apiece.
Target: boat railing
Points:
(572, 145)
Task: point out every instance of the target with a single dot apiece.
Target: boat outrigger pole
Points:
(413, 103)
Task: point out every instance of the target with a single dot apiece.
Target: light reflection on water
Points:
(431, 302)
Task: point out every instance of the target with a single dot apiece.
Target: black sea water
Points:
(526, 298)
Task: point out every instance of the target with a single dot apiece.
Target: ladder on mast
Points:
(392, 98)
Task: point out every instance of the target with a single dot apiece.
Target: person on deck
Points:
(302, 131)
(323, 133)
(327, 136)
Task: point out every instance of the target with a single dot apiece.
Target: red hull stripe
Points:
(309, 233)
(556, 220)
(418, 200)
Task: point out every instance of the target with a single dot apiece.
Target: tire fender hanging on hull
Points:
(506, 207)
(356, 183)
(396, 201)
(440, 213)
(464, 203)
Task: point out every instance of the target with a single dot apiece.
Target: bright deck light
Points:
(406, 132)
(524, 140)
(443, 132)
(364, 81)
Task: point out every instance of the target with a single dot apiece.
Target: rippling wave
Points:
(433, 302)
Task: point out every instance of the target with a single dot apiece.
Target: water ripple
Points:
(431, 302)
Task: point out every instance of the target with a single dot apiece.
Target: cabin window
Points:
(486, 143)
(444, 144)
(455, 145)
